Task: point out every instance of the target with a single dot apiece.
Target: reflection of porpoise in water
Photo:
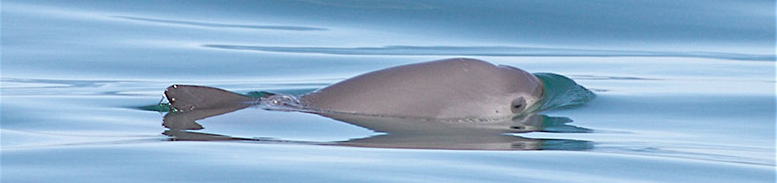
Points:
(408, 132)
(454, 103)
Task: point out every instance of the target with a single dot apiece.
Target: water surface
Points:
(685, 90)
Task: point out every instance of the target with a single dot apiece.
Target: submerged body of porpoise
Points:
(443, 89)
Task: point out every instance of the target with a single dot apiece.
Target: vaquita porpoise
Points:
(455, 103)
(443, 89)
(458, 88)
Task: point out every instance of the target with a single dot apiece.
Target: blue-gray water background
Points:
(686, 89)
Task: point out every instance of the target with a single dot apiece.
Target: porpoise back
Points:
(444, 89)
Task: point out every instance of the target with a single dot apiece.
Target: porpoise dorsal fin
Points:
(191, 97)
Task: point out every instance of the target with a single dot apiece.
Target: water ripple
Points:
(220, 25)
(488, 51)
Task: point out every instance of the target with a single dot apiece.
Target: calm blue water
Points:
(685, 89)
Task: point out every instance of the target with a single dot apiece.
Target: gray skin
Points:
(444, 89)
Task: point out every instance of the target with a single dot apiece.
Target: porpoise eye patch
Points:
(518, 105)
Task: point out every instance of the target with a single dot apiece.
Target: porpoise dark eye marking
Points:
(518, 105)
